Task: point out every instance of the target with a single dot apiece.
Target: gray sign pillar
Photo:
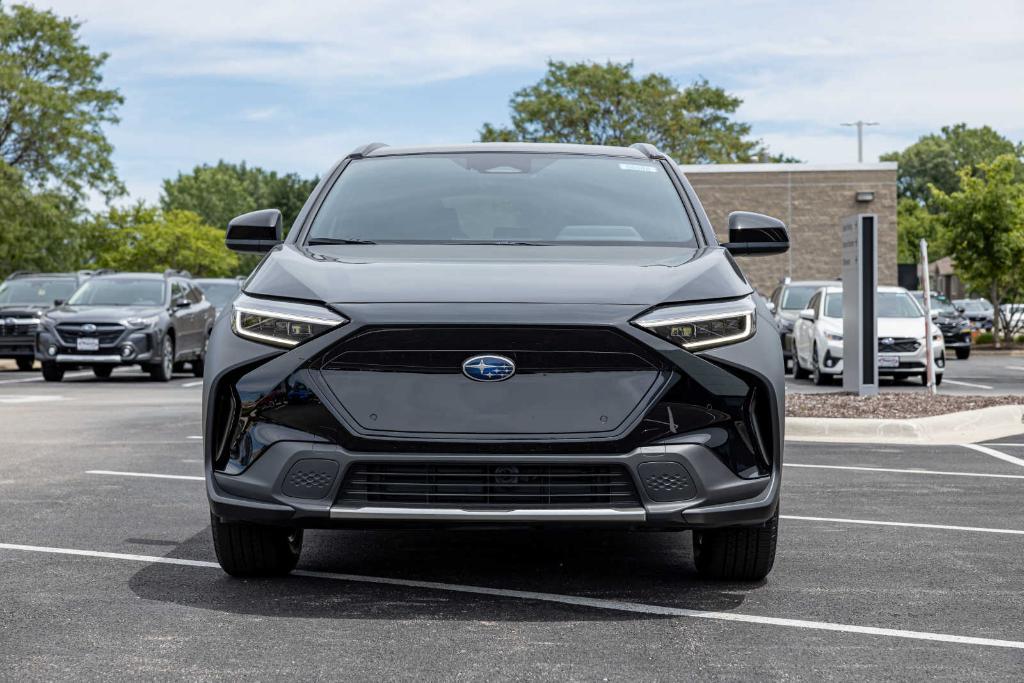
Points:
(860, 318)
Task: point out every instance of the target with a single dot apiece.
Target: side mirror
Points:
(58, 302)
(770, 305)
(256, 231)
(754, 234)
(935, 315)
(807, 314)
(960, 309)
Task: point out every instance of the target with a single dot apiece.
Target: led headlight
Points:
(278, 323)
(833, 337)
(703, 326)
(142, 323)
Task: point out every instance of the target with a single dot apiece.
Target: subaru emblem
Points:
(488, 368)
(88, 327)
(888, 341)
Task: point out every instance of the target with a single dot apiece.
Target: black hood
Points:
(101, 314)
(21, 310)
(435, 273)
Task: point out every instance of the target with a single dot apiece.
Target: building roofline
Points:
(786, 168)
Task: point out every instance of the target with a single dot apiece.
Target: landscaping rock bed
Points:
(889, 405)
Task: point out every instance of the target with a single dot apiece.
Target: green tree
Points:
(937, 159)
(605, 104)
(983, 224)
(52, 104)
(143, 238)
(913, 223)
(221, 192)
(38, 230)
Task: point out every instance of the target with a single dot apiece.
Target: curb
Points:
(969, 426)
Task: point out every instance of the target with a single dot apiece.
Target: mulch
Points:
(889, 405)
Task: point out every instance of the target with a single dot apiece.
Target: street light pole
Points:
(860, 136)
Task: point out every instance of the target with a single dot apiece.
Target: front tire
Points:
(798, 370)
(52, 372)
(817, 376)
(246, 549)
(963, 354)
(736, 554)
(25, 364)
(164, 370)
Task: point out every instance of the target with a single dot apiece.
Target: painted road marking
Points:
(40, 378)
(146, 474)
(11, 398)
(576, 601)
(966, 384)
(1017, 532)
(904, 471)
(994, 453)
(1003, 444)
(186, 385)
(193, 437)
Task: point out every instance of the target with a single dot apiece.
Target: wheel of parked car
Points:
(798, 370)
(938, 378)
(25, 364)
(164, 370)
(102, 371)
(963, 354)
(52, 372)
(246, 549)
(817, 376)
(738, 553)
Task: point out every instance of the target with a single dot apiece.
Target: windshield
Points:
(796, 298)
(119, 292)
(220, 294)
(890, 305)
(35, 291)
(975, 305)
(939, 305)
(501, 198)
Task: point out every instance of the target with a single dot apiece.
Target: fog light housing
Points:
(52, 350)
(127, 351)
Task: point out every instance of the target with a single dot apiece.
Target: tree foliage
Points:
(606, 104)
(913, 223)
(219, 193)
(938, 159)
(142, 238)
(983, 226)
(52, 104)
(38, 230)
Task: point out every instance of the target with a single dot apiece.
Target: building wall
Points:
(813, 200)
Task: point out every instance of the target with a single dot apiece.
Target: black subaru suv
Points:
(158, 321)
(955, 327)
(23, 298)
(502, 335)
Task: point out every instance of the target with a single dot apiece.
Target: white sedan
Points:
(818, 337)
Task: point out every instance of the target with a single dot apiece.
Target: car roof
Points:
(521, 147)
(136, 276)
(232, 280)
(883, 288)
(805, 283)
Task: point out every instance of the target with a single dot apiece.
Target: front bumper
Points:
(912, 363)
(263, 488)
(144, 348)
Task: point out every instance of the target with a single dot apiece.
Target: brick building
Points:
(813, 200)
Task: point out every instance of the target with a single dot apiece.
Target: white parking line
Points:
(40, 378)
(1017, 532)
(193, 437)
(145, 474)
(907, 471)
(994, 453)
(1004, 444)
(186, 385)
(966, 384)
(576, 601)
(10, 398)
(1015, 367)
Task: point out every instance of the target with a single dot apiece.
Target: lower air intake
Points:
(488, 486)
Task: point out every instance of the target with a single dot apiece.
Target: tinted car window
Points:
(220, 294)
(496, 197)
(195, 295)
(119, 292)
(890, 305)
(797, 298)
(35, 290)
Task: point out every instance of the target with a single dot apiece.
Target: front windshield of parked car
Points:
(490, 197)
(35, 291)
(119, 292)
(943, 306)
(220, 294)
(971, 306)
(796, 298)
(889, 304)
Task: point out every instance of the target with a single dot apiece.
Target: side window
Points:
(195, 295)
(776, 297)
(177, 290)
(813, 304)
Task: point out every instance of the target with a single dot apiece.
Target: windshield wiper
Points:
(500, 243)
(337, 240)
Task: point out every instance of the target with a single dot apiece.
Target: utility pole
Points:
(860, 136)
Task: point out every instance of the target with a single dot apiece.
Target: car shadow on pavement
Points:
(650, 568)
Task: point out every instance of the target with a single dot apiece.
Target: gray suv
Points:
(158, 321)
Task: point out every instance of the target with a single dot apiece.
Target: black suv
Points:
(157, 321)
(23, 298)
(502, 335)
(950, 319)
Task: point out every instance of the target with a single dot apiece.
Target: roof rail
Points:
(93, 272)
(365, 150)
(171, 272)
(20, 273)
(648, 150)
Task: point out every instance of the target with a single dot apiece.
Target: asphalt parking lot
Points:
(902, 562)
(982, 373)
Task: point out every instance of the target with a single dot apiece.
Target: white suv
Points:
(818, 337)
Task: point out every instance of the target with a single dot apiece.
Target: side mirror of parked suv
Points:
(58, 302)
(256, 231)
(807, 314)
(754, 234)
(181, 302)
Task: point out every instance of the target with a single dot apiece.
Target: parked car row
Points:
(102, 320)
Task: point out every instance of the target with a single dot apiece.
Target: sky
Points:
(293, 86)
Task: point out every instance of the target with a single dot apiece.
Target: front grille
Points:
(488, 486)
(107, 333)
(17, 329)
(897, 345)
